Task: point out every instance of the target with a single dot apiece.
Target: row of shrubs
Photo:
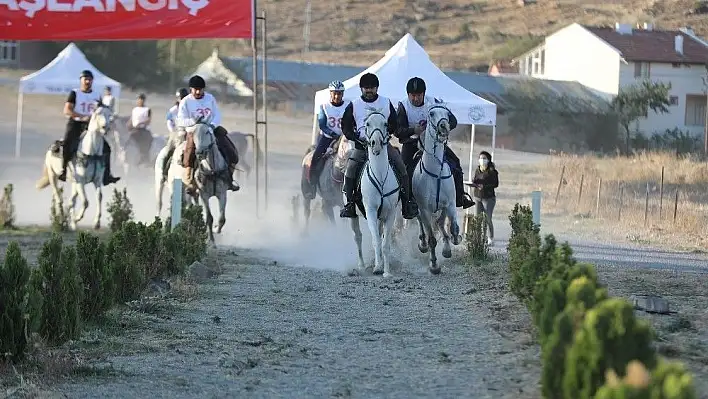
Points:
(592, 345)
(78, 283)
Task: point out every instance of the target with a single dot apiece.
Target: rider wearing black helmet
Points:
(412, 119)
(352, 127)
(166, 154)
(200, 104)
(78, 108)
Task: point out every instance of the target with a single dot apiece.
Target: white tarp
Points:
(407, 59)
(60, 76)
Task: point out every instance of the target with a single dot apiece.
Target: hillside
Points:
(458, 34)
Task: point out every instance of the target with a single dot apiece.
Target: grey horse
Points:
(329, 184)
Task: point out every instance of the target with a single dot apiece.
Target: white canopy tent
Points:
(60, 76)
(407, 59)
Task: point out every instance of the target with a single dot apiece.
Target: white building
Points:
(606, 59)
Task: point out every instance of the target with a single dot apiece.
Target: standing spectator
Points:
(486, 179)
(108, 99)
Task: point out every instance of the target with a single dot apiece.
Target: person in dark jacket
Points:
(486, 179)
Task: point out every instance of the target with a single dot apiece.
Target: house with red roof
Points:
(606, 59)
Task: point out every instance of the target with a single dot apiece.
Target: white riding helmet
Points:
(336, 85)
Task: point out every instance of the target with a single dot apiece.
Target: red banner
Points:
(125, 19)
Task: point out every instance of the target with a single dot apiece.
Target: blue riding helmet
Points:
(336, 85)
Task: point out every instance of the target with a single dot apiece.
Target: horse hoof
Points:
(447, 253)
(97, 226)
(354, 273)
(422, 248)
(378, 272)
(387, 275)
(456, 240)
(434, 270)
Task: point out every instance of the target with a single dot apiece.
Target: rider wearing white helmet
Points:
(329, 120)
(171, 118)
(412, 119)
(199, 104)
(352, 128)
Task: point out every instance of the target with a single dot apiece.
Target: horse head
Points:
(439, 122)
(101, 119)
(203, 137)
(376, 131)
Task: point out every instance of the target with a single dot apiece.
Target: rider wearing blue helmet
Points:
(329, 120)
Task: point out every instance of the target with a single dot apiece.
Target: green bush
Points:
(14, 276)
(128, 269)
(120, 209)
(96, 276)
(194, 228)
(477, 245)
(61, 292)
(7, 208)
(609, 338)
(581, 295)
(59, 214)
(669, 380)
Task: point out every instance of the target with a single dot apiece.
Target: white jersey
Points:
(361, 110)
(190, 109)
(418, 116)
(334, 117)
(84, 103)
(140, 116)
(109, 101)
(172, 119)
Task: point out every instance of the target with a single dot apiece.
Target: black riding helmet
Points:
(197, 82)
(182, 93)
(415, 85)
(368, 80)
(86, 74)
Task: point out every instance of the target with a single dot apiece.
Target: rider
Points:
(78, 109)
(140, 119)
(108, 99)
(330, 123)
(173, 132)
(414, 113)
(194, 106)
(353, 129)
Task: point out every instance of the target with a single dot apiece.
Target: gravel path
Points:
(266, 330)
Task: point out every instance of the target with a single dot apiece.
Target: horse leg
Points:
(356, 228)
(327, 210)
(306, 211)
(387, 238)
(447, 250)
(454, 225)
(376, 240)
(222, 211)
(422, 237)
(99, 200)
(72, 210)
(426, 217)
(209, 217)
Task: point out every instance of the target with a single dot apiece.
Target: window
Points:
(695, 110)
(673, 100)
(543, 61)
(8, 51)
(642, 70)
(529, 65)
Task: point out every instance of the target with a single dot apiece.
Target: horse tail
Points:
(44, 180)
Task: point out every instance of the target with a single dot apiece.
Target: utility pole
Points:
(705, 122)
(173, 63)
(306, 30)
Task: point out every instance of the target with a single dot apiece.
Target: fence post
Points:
(560, 184)
(580, 192)
(176, 204)
(661, 194)
(536, 207)
(646, 206)
(676, 203)
(619, 208)
(597, 203)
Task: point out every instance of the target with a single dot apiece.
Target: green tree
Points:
(635, 101)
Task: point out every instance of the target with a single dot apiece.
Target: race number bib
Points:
(333, 122)
(203, 112)
(86, 107)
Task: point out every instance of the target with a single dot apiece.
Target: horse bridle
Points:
(385, 136)
(437, 127)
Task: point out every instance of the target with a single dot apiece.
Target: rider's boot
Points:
(62, 175)
(410, 208)
(108, 178)
(233, 185)
(349, 210)
(189, 180)
(462, 199)
(166, 164)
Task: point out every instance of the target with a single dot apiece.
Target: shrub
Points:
(477, 245)
(194, 229)
(14, 276)
(609, 338)
(669, 380)
(7, 209)
(61, 292)
(96, 276)
(120, 209)
(128, 270)
(58, 214)
(581, 294)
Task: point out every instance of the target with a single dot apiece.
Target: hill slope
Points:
(458, 34)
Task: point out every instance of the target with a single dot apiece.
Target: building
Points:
(23, 55)
(606, 59)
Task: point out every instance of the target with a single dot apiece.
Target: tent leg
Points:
(494, 139)
(18, 124)
(470, 176)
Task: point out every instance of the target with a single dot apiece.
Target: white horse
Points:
(210, 174)
(85, 167)
(380, 195)
(175, 171)
(434, 188)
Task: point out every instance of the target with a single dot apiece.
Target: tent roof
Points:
(407, 59)
(62, 74)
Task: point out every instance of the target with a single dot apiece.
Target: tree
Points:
(635, 101)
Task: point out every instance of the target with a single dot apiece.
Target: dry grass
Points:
(620, 211)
